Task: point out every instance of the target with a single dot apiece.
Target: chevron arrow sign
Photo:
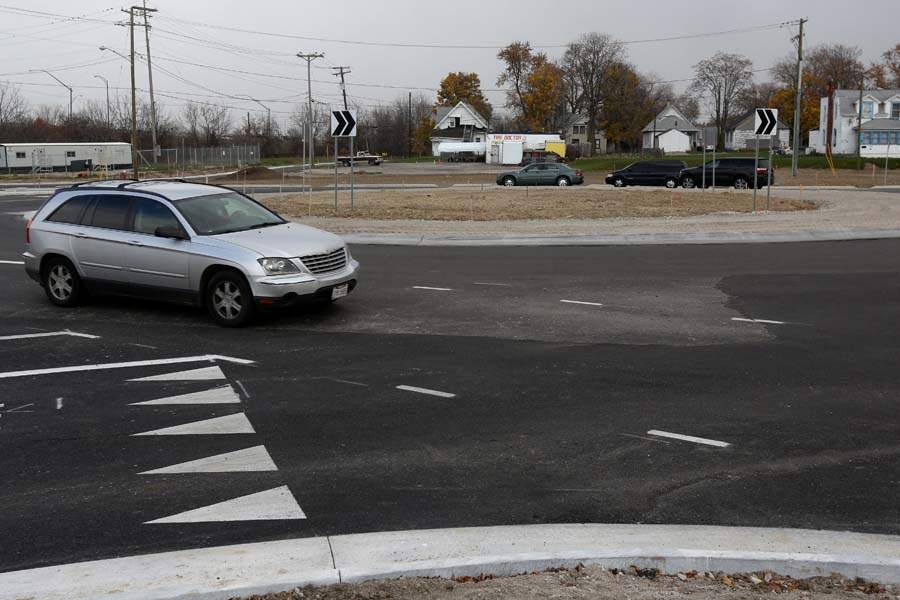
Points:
(343, 123)
(766, 121)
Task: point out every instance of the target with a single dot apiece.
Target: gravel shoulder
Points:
(596, 583)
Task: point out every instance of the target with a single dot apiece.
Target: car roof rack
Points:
(92, 183)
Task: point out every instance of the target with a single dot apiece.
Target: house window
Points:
(70, 154)
(895, 110)
(868, 108)
(20, 155)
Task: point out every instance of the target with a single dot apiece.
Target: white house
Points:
(741, 135)
(460, 123)
(880, 123)
(670, 131)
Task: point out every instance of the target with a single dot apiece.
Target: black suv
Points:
(648, 172)
(737, 172)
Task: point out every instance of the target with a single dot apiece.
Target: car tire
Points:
(618, 182)
(671, 183)
(741, 183)
(62, 283)
(688, 183)
(509, 181)
(228, 299)
(563, 181)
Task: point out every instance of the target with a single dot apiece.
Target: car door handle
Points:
(80, 234)
(134, 243)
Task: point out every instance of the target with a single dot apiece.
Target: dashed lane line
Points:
(433, 289)
(12, 262)
(688, 438)
(581, 302)
(25, 336)
(126, 365)
(419, 390)
(762, 321)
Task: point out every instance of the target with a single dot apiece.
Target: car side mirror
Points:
(171, 232)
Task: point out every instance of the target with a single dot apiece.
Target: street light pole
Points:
(134, 138)
(58, 81)
(106, 81)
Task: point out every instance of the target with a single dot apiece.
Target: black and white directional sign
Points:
(343, 123)
(766, 121)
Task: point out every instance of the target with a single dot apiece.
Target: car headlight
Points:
(278, 266)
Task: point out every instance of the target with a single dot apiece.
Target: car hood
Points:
(288, 240)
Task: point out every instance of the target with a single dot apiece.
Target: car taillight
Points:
(578, 173)
(28, 232)
(761, 169)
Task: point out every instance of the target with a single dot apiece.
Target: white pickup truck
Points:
(360, 157)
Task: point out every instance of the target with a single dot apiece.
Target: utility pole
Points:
(409, 126)
(134, 136)
(145, 11)
(797, 99)
(106, 81)
(862, 84)
(341, 71)
(312, 151)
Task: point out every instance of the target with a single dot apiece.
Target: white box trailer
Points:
(45, 157)
(510, 148)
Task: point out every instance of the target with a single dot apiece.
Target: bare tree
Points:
(590, 60)
(13, 107)
(757, 95)
(721, 79)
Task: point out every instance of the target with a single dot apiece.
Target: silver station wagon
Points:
(195, 243)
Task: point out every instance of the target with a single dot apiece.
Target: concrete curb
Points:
(228, 571)
(625, 239)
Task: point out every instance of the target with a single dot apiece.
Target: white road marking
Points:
(275, 504)
(19, 408)
(221, 395)
(435, 289)
(231, 424)
(12, 262)
(581, 302)
(491, 284)
(59, 403)
(409, 388)
(243, 389)
(25, 336)
(202, 374)
(642, 437)
(143, 346)
(688, 438)
(763, 321)
(125, 365)
(247, 460)
(346, 381)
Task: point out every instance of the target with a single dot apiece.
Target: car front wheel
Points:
(671, 183)
(61, 282)
(229, 299)
(509, 181)
(619, 182)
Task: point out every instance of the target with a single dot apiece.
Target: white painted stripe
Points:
(688, 438)
(581, 302)
(59, 403)
(491, 284)
(275, 504)
(247, 460)
(410, 388)
(436, 289)
(12, 262)
(763, 321)
(125, 365)
(222, 395)
(202, 374)
(228, 425)
(25, 336)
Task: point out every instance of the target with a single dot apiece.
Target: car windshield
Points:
(225, 213)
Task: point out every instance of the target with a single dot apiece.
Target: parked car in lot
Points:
(196, 243)
(737, 172)
(648, 172)
(542, 173)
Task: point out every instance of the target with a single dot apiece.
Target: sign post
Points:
(343, 124)
(765, 123)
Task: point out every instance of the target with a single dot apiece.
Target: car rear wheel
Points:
(61, 282)
(688, 183)
(563, 181)
(509, 181)
(740, 183)
(671, 183)
(229, 299)
(619, 182)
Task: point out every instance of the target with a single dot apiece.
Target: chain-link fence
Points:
(188, 157)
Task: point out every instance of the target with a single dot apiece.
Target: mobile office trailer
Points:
(46, 157)
(510, 148)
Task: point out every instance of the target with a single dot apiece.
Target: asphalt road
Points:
(549, 419)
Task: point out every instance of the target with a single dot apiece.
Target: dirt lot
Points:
(502, 204)
(596, 583)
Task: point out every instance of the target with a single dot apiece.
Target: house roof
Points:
(746, 122)
(850, 97)
(441, 114)
(670, 122)
(880, 125)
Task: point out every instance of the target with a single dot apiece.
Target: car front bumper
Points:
(288, 288)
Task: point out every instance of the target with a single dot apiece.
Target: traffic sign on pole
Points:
(343, 123)
(766, 122)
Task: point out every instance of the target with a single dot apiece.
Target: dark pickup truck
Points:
(737, 172)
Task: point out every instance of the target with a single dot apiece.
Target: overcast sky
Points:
(31, 42)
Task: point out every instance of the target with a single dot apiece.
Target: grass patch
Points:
(611, 162)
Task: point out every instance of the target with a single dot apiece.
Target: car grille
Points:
(325, 263)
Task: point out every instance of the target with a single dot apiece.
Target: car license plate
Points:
(339, 291)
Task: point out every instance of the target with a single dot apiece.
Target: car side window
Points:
(71, 210)
(111, 212)
(150, 214)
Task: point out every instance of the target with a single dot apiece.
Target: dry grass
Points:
(500, 204)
